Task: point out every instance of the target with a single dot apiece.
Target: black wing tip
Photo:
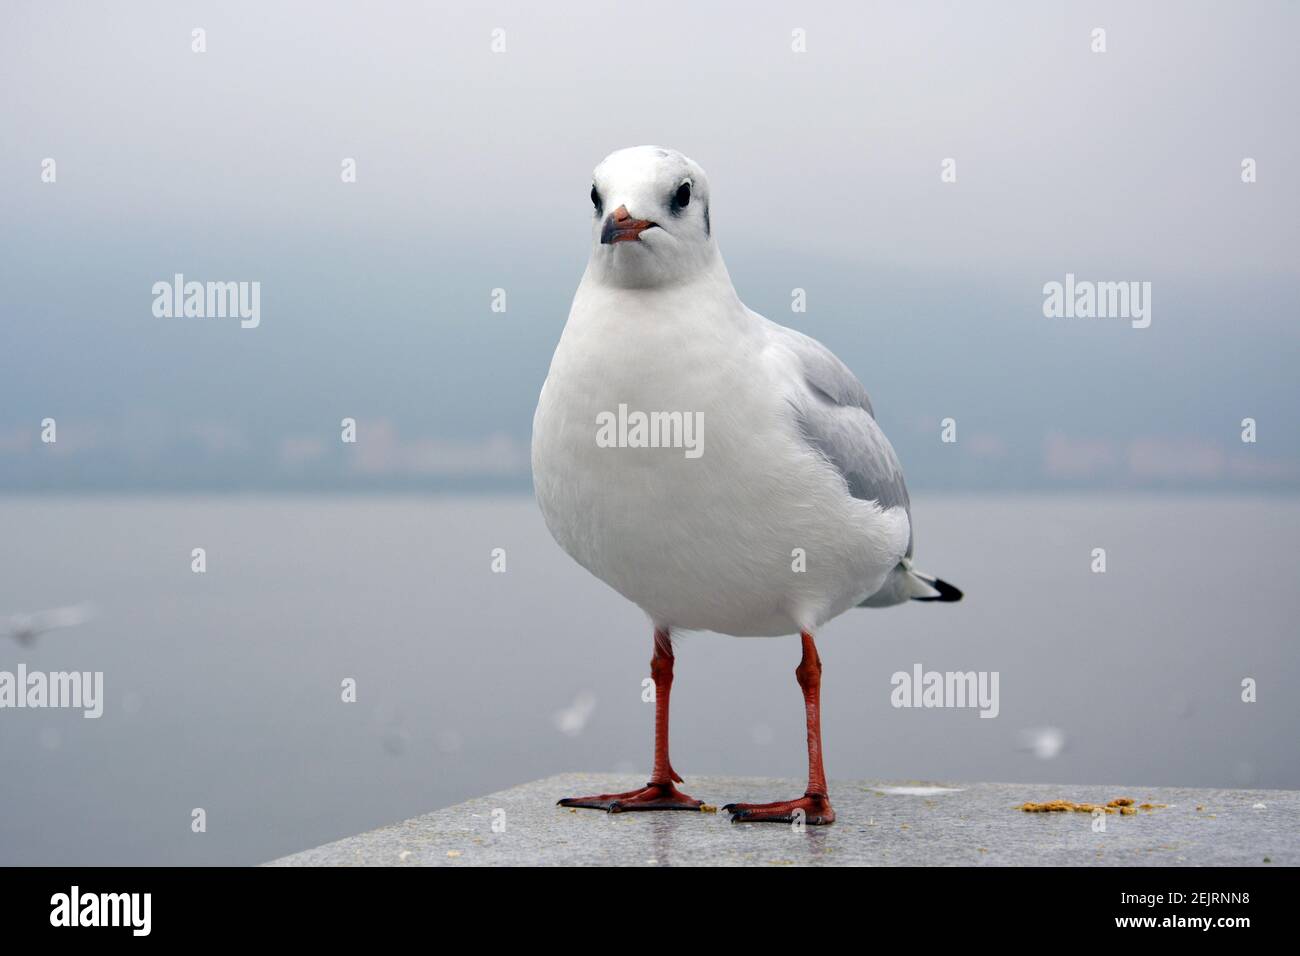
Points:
(947, 593)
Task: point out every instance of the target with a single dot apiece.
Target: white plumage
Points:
(792, 462)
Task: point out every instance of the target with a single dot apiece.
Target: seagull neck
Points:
(711, 285)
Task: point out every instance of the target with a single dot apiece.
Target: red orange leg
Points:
(816, 802)
(659, 793)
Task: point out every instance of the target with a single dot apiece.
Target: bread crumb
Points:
(1121, 805)
(1063, 806)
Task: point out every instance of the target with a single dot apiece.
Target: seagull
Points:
(720, 471)
(25, 628)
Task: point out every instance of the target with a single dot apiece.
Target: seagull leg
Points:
(816, 802)
(659, 793)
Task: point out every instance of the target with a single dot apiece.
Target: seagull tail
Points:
(926, 587)
(905, 583)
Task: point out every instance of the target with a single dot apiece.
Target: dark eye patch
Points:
(595, 200)
(682, 198)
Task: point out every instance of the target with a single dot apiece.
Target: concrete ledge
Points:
(877, 824)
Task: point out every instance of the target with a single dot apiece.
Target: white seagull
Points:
(722, 472)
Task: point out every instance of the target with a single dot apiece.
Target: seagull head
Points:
(651, 218)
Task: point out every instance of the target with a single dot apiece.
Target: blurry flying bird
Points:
(25, 628)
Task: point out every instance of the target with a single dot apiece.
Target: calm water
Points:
(223, 690)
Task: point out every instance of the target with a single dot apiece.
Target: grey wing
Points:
(835, 418)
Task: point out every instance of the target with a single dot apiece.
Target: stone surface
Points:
(877, 824)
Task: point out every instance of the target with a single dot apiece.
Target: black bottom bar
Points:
(331, 906)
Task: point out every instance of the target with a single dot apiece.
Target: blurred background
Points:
(372, 560)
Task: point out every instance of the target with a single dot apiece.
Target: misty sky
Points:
(472, 174)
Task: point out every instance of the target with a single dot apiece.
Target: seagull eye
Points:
(683, 196)
(595, 199)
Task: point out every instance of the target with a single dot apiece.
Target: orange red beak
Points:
(621, 227)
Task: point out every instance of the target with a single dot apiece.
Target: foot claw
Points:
(653, 796)
(816, 811)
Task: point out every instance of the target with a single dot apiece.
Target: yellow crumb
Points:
(1121, 805)
(1062, 806)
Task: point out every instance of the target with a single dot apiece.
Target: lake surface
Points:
(223, 690)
